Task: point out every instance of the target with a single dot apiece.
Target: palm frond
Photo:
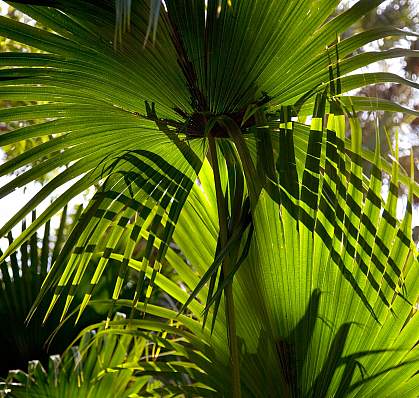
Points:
(84, 370)
(320, 286)
(20, 282)
(320, 296)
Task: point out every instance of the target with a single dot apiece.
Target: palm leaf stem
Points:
(228, 291)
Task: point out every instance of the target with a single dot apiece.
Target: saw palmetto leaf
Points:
(345, 326)
(168, 181)
(320, 294)
(96, 96)
(339, 316)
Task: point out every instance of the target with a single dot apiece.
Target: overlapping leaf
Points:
(324, 288)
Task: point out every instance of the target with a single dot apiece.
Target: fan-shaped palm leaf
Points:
(137, 120)
(325, 297)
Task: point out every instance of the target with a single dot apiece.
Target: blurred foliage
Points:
(402, 14)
